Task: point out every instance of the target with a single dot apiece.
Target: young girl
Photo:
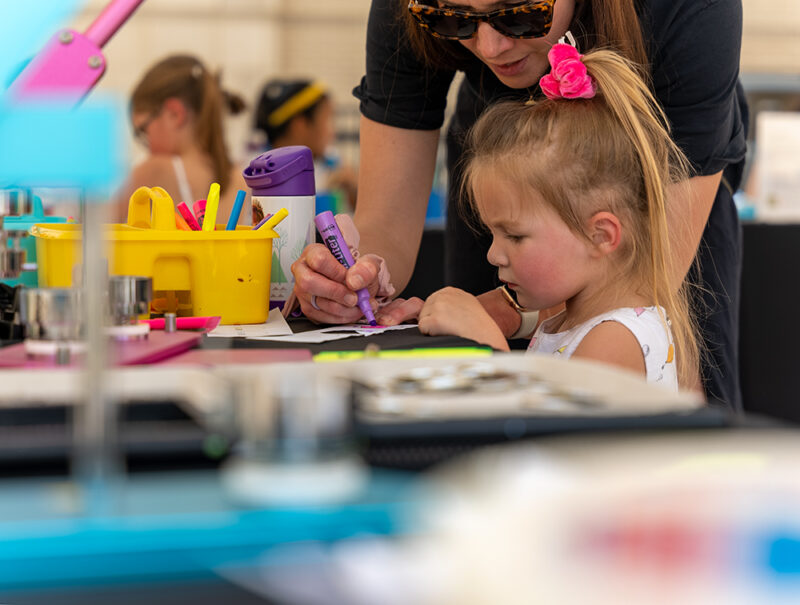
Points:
(177, 112)
(572, 190)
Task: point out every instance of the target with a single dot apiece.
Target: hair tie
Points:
(197, 71)
(568, 78)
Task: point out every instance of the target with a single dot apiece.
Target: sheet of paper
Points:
(274, 326)
(335, 333)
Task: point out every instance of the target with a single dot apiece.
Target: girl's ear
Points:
(605, 232)
(176, 111)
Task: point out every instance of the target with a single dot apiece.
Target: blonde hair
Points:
(609, 153)
(184, 77)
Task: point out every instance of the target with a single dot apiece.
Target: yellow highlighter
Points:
(275, 219)
(212, 205)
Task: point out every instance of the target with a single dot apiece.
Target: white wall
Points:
(250, 40)
(771, 40)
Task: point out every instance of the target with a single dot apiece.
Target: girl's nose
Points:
(495, 255)
(491, 43)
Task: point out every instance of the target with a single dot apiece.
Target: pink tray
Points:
(157, 347)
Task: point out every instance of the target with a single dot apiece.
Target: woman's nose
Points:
(489, 42)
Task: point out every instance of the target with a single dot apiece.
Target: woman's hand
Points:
(318, 274)
(453, 311)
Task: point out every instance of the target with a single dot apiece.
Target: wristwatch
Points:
(528, 319)
(511, 300)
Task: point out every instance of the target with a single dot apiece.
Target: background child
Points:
(300, 112)
(572, 190)
(177, 112)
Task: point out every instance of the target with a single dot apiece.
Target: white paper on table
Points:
(335, 333)
(274, 326)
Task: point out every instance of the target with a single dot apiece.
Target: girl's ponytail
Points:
(210, 114)
(661, 164)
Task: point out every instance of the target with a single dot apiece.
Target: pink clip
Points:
(568, 78)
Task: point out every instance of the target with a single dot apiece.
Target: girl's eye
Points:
(514, 238)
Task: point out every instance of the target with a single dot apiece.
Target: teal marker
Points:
(235, 211)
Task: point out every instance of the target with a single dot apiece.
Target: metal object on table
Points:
(52, 321)
(51, 314)
(129, 298)
(11, 261)
(170, 322)
(12, 256)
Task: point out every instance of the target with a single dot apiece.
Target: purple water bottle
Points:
(284, 178)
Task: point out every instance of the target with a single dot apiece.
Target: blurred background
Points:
(250, 41)
(254, 40)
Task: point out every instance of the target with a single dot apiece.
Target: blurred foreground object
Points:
(71, 63)
(696, 517)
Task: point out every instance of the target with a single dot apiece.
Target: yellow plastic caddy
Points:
(218, 272)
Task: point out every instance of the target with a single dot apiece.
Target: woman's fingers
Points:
(364, 274)
(317, 273)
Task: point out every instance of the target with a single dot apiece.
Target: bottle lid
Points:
(285, 171)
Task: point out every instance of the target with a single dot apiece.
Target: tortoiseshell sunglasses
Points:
(531, 20)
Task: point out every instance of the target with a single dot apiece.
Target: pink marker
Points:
(200, 211)
(187, 215)
(185, 323)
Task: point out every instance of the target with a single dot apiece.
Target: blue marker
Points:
(235, 211)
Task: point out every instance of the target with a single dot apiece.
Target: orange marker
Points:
(180, 223)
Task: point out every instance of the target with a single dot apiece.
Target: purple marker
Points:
(333, 238)
(262, 221)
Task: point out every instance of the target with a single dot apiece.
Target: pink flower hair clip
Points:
(568, 78)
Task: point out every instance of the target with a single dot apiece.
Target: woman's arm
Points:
(688, 208)
(394, 184)
(395, 180)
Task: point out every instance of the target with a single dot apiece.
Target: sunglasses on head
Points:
(531, 20)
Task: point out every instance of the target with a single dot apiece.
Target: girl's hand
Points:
(317, 273)
(399, 310)
(453, 311)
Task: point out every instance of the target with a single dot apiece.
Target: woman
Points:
(177, 112)
(689, 50)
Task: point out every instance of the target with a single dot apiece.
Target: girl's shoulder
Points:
(645, 323)
(153, 169)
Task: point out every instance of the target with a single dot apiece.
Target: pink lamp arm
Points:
(71, 64)
(110, 20)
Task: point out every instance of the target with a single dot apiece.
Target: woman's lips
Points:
(510, 69)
